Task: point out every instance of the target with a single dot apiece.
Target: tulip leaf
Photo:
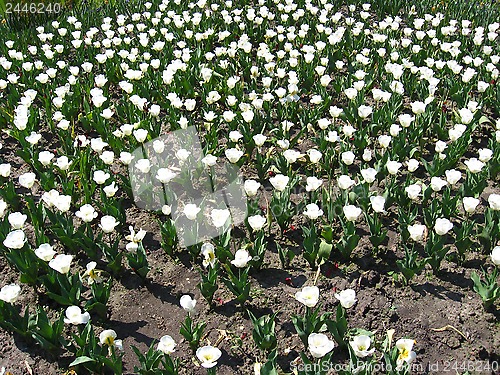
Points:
(81, 360)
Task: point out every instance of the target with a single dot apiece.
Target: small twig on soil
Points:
(448, 326)
(222, 336)
(28, 368)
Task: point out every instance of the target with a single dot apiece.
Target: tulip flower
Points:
(313, 212)
(279, 182)
(108, 338)
(319, 344)
(417, 231)
(188, 303)
(470, 204)
(86, 213)
(17, 220)
(251, 187)
(352, 212)
(241, 258)
(220, 217)
(208, 356)
(346, 297)
(308, 296)
(495, 255)
(406, 355)
(191, 211)
(108, 224)
(166, 345)
(45, 252)
(10, 293)
(15, 239)
(442, 226)
(257, 222)
(494, 202)
(61, 263)
(75, 316)
(361, 346)
(208, 253)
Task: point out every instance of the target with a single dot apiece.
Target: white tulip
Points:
(279, 182)
(233, 155)
(470, 204)
(108, 338)
(495, 255)
(314, 155)
(208, 356)
(406, 355)
(346, 297)
(417, 231)
(100, 177)
(313, 212)
(319, 344)
(17, 220)
(86, 213)
(453, 176)
(220, 217)
(241, 258)
(165, 175)
(369, 175)
(393, 166)
(188, 303)
(345, 182)
(45, 252)
(364, 111)
(27, 180)
(308, 296)
(75, 316)
(313, 183)
(257, 222)
(209, 160)
(191, 211)
(494, 202)
(251, 187)
(259, 139)
(208, 252)
(474, 165)
(108, 224)
(437, 183)
(361, 346)
(166, 345)
(442, 226)
(412, 165)
(352, 212)
(61, 263)
(45, 157)
(15, 239)
(10, 293)
(377, 202)
(485, 154)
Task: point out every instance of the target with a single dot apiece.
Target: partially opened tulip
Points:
(361, 346)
